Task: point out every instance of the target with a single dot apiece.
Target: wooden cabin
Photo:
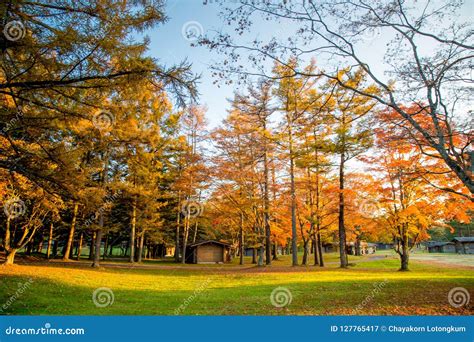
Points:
(208, 252)
(440, 247)
(463, 245)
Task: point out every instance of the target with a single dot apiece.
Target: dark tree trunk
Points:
(132, 232)
(98, 243)
(320, 250)
(70, 240)
(341, 227)
(50, 241)
(241, 239)
(140, 247)
(79, 246)
(254, 255)
(315, 251)
(91, 246)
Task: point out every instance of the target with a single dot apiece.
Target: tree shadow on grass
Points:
(400, 296)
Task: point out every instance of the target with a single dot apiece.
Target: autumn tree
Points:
(427, 59)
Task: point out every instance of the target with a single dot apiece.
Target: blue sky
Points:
(170, 46)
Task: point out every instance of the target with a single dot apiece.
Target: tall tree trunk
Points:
(254, 255)
(305, 252)
(98, 243)
(195, 231)
(178, 222)
(185, 238)
(275, 251)
(294, 239)
(315, 251)
(91, 246)
(241, 239)
(341, 227)
(67, 252)
(320, 250)
(140, 247)
(79, 246)
(404, 256)
(106, 246)
(132, 231)
(50, 241)
(266, 203)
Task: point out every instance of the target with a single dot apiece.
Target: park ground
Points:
(370, 286)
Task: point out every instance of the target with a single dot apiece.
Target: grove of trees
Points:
(101, 146)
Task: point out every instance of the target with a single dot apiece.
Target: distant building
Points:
(440, 247)
(365, 248)
(464, 245)
(384, 246)
(208, 252)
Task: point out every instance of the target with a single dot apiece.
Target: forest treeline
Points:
(102, 146)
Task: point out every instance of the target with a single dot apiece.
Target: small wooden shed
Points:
(440, 247)
(208, 252)
(464, 244)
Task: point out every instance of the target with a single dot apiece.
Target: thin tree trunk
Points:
(91, 246)
(294, 241)
(132, 231)
(185, 238)
(305, 252)
(341, 227)
(405, 251)
(67, 252)
(140, 247)
(178, 222)
(241, 239)
(79, 246)
(320, 250)
(50, 241)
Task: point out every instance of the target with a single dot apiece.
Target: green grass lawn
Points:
(371, 286)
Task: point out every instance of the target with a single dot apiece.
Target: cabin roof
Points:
(463, 239)
(222, 243)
